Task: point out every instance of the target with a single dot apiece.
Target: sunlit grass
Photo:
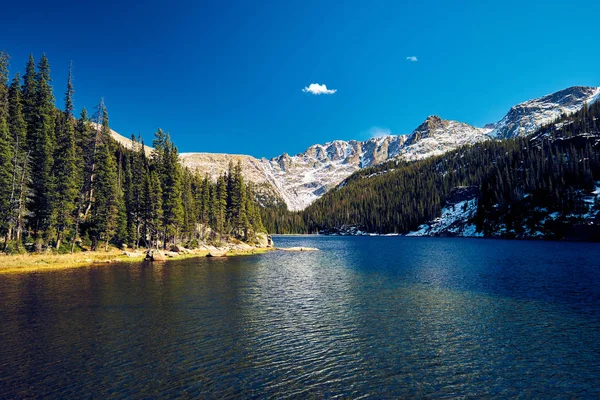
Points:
(49, 262)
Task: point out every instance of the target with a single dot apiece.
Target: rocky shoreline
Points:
(48, 262)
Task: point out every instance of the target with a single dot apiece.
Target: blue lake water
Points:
(380, 317)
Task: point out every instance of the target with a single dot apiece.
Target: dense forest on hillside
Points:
(548, 171)
(65, 184)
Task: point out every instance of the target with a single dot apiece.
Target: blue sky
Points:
(227, 76)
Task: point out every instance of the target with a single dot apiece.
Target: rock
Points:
(131, 255)
(155, 255)
(217, 253)
(241, 247)
(171, 254)
(263, 240)
(177, 248)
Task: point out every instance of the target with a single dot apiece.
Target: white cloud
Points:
(317, 89)
(376, 132)
(412, 58)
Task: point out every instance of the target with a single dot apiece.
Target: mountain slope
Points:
(298, 180)
(546, 185)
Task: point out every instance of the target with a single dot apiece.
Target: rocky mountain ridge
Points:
(300, 179)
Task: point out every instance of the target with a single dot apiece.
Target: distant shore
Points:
(23, 263)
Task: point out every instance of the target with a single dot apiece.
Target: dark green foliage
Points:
(30, 95)
(165, 161)
(20, 164)
(106, 188)
(5, 145)
(41, 135)
(65, 197)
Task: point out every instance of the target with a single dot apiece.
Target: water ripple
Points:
(363, 318)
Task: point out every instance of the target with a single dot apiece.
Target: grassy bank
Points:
(23, 263)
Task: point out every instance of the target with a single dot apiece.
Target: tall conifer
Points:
(65, 169)
(105, 200)
(20, 165)
(5, 146)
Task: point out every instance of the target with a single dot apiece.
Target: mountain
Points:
(301, 179)
(436, 136)
(545, 185)
(525, 118)
(298, 180)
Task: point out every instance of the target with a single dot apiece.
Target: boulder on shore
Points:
(178, 249)
(132, 254)
(155, 255)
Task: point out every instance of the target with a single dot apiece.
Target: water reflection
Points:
(374, 317)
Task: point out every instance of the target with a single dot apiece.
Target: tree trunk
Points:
(90, 196)
(19, 224)
(137, 236)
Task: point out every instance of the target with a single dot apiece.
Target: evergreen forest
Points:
(67, 185)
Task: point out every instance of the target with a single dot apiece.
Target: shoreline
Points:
(25, 263)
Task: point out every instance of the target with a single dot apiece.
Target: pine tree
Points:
(41, 141)
(64, 199)
(21, 168)
(189, 190)
(220, 207)
(85, 147)
(238, 222)
(5, 147)
(140, 202)
(155, 217)
(129, 206)
(205, 209)
(30, 99)
(168, 168)
(105, 200)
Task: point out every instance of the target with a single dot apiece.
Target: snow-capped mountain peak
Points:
(436, 136)
(525, 118)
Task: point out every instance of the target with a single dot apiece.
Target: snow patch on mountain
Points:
(456, 216)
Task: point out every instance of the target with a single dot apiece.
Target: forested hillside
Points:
(521, 181)
(65, 184)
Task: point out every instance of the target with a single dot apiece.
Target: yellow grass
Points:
(22, 263)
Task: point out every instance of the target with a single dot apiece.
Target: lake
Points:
(381, 317)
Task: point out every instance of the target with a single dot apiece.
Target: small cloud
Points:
(317, 89)
(412, 58)
(376, 132)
